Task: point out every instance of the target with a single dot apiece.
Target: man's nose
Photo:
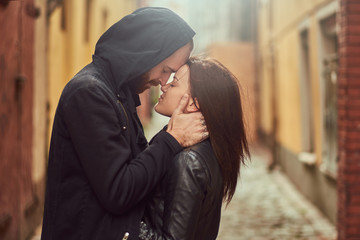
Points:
(164, 80)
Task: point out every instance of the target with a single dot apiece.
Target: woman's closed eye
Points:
(174, 82)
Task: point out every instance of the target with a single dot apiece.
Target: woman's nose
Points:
(164, 88)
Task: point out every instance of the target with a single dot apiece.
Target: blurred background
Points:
(296, 61)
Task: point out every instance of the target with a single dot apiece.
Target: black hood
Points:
(140, 41)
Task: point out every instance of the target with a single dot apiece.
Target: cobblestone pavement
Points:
(266, 206)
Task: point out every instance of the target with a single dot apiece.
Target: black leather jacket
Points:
(187, 203)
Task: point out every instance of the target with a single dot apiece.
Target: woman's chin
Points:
(160, 111)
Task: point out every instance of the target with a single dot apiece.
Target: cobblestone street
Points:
(267, 206)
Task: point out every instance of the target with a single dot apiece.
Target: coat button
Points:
(124, 128)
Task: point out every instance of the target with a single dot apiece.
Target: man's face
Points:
(161, 72)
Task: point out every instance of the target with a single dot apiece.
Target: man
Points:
(100, 165)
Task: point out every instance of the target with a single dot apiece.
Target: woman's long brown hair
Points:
(217, 93)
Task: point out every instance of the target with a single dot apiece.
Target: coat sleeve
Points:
(185, 192)
(118, 180)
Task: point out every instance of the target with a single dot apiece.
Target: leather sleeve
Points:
(185, 190)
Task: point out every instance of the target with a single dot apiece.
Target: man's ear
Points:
(192, 107)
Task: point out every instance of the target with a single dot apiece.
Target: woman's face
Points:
(173, 91)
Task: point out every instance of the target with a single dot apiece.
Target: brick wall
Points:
(18, 199)
(349, 121)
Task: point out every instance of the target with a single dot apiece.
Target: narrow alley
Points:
(297, 66)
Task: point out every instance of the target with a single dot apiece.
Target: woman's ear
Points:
(192, 106)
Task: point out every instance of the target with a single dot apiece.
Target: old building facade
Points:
(308, 109)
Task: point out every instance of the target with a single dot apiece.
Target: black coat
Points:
(187, 203)
(100, 165)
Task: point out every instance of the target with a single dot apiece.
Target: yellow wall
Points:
(40, 98)
(287, 13)
(282, 32)
(288, 93)
(69, 51)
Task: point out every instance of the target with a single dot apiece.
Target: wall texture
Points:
(349, 121)
(18, 198)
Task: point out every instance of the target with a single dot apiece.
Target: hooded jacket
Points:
(101, 167)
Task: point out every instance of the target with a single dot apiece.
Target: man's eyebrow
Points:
(169, 68)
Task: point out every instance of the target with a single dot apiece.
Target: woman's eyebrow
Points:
(179, 77)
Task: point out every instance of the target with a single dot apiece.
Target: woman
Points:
(187, 203)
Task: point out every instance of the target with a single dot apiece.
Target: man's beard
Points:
(138, 84)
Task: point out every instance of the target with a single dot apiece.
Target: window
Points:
(329, 64)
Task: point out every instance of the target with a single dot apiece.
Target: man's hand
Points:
(187, 128)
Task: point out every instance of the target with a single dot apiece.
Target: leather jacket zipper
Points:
(124, 128)
(123, 109)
